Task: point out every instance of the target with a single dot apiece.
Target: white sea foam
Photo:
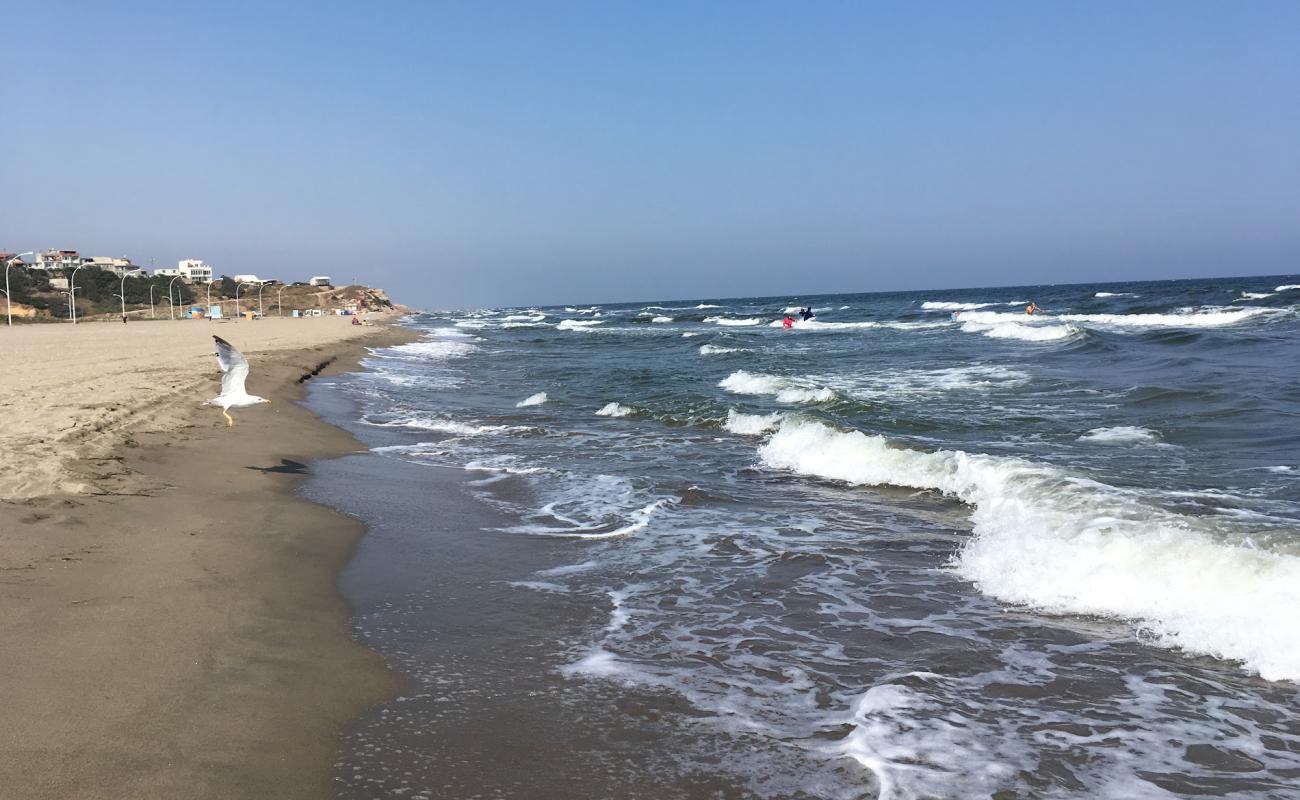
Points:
(430, 349)
(1061, 543)
(1286, 287)
(539, 586)
(452, 333)
(615, 410)
(1191, 318)
(1115, 294)
(504, 469)
(662, 319)
(945, 305)
(690, 334)
(820, 325)
(578, 324)
(532, 400)
(707, 305)
(442, 425)
(913, 384)
(1121, 434)
(916, 749)
(524, 317)
(728, 321)
(1028, 333)
(717, 350)
(785, 390)
(1253, 296)
(751, 424)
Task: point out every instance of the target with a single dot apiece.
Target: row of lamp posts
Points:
(72, 294)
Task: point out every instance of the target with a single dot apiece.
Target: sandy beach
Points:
(172, 626)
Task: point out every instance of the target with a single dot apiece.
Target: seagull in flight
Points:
(235, 369)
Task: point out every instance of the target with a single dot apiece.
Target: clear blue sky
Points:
(492, 153)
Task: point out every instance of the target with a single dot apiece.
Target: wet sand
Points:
(174, 629)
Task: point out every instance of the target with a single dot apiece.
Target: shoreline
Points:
(179, 630)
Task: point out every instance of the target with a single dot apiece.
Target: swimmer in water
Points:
(788, 322)
(1032, 308)
(954, 315)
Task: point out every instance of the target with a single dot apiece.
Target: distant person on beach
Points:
(1032, 308)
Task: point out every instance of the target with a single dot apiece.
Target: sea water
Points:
(890, 552)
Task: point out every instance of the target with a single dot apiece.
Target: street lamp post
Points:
(169, 297)
(8, 303)
(260, 287)
(279, 307)
(237, 286)
(72, 293)
(151, 314)
(210, 299)
(122, 291)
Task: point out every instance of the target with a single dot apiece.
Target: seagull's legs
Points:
(230, 421)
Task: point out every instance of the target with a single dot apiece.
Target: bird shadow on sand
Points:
(286, 467)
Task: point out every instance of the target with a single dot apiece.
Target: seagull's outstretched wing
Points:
(235, 367)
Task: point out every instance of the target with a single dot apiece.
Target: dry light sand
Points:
(70, 392)
(170, 625)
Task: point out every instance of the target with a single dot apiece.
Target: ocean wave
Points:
(717, 350)
(662, 319)
(1115, 294)
(429, 349)
(532, 400)
(734, 322)
(1286, 287)
(1253, 296)
(920, 383)
(820, 325)
(751, 424)
(1191, 318)
(615, 410)
(578, 324)
(452, 333)
(1121, 434)
(945, 305)
(1060, 543)
(1024, 332)
(785, 390)
(442, 425)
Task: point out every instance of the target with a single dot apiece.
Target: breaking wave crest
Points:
(578, 324)
(945, 305)
(1198, 318)
(1061, 543)
(1028, 333)
(785, 390)
(751, 424)
(734, 323)
(1121, 434)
